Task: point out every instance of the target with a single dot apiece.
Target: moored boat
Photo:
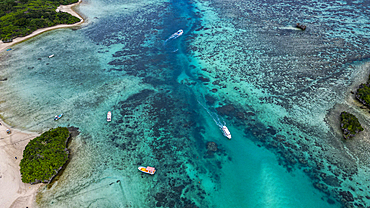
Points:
(226, 132)
(149, 170)
(58, 117)
(109, 116)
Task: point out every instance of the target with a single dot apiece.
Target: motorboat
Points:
(178, 33)
(57, 117)
(109, 116)
(51, 56)
(175, 35)
(226, 132)
(149, 170)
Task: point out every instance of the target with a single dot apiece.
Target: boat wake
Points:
(214, 116)
(217, 120)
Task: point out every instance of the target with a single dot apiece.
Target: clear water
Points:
(272, 84)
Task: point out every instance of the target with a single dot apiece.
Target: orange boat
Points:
(149, 170)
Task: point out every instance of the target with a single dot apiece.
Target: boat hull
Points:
(58, 117)
(144, 170)
(226, 132)
(109, 116)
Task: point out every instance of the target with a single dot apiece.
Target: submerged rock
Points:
(226, 110)
(210, 100)
(8, 40)
(346, 195)
(212, 146)
(204, 79)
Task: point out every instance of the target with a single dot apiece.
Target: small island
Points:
(45, 156)
(21, 18)
(363, 93)
(349, 125)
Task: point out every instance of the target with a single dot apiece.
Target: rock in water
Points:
(211, 146)
(349, 125)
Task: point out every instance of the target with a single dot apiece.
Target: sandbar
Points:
(61, 8)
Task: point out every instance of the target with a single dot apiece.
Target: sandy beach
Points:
(13, 192)
(61, 8)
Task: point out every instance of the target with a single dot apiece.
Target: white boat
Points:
(178, 33)
(51, 56)
(149, 170)
(109, 116)
(175, 35)
(226, 132)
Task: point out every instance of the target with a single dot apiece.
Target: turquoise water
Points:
(271, 84)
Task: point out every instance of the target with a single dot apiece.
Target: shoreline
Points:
(13, 192)
(61, 8)
(353, 106)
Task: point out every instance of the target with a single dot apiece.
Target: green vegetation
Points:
(44, 156)
(363, 94)
(350, 125)
(22, 17)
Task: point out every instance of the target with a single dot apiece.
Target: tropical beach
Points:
(61, 8)
(172, 74)
(13, 192)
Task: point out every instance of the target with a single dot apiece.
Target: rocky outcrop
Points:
(56, 139)
(211, 146)
(349, 125)
(363, 93)
(210, 100)
(8, 40)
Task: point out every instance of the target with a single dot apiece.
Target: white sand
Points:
(13, 192)
(62, 8)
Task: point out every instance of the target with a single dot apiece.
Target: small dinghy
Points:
(58, 117)
(109, 116)
(149, 170)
